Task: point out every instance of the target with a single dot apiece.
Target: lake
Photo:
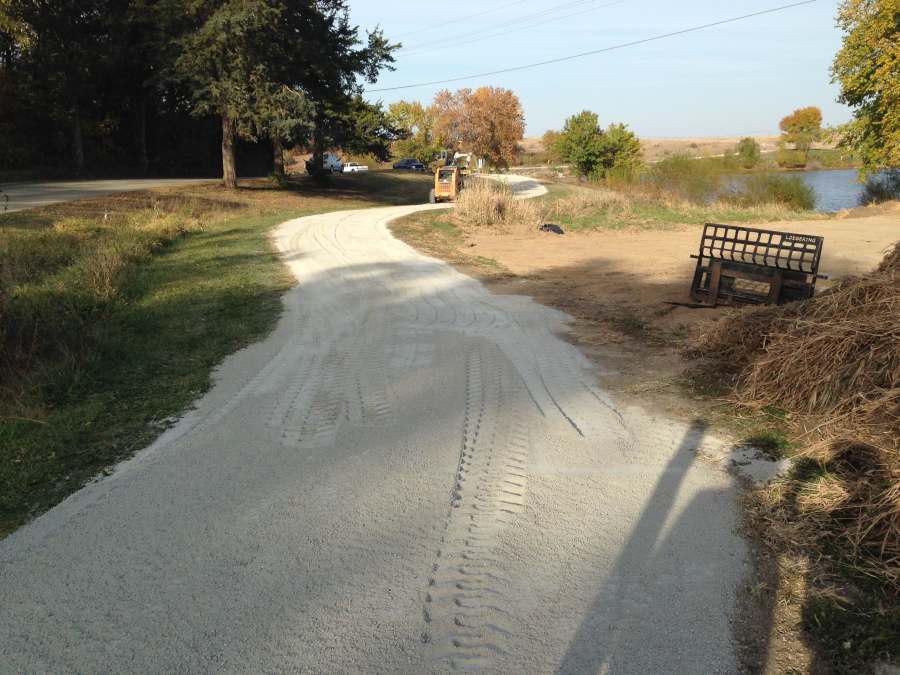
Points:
(836, 189)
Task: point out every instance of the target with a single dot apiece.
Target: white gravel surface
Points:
(410, 475)
(32, 194)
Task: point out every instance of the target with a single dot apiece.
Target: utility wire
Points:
(502, 33)
(571, 57)
(498, 26)
(462, 18)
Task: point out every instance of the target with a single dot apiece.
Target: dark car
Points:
(410, 165)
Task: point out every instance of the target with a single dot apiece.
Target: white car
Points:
(354, 167)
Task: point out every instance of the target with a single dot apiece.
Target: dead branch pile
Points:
(833, 362)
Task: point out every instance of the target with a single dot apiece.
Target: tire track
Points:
(469, 625)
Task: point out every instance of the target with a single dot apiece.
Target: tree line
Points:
(141, 85)
(488, 122)
(156, 85)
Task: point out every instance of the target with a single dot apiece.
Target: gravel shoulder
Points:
(410, 474)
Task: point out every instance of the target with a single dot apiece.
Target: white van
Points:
(332, 162)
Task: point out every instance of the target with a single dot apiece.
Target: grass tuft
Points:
(773, 442)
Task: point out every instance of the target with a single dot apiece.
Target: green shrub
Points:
(277, 180)
(881, 188)
(698, 181)
(791, 159)
(790, 191)
(594, 151)
(834, 158)
(748, 152)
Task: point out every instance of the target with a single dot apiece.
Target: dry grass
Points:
(832, 362)
(492, 202)
(642, 205)
(55, 281)
(891, 261)
(580, 202)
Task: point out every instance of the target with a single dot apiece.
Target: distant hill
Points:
(658, 148)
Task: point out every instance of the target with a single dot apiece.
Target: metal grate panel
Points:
(778, 250)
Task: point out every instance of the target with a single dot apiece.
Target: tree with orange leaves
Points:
(494, 125)
(802, 128)
(488, 122)
(450, 111)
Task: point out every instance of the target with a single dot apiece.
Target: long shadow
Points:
(632, 599)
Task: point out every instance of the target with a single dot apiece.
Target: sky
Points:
(735, 79)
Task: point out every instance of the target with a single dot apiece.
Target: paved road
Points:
(30, 195)
(410, 475)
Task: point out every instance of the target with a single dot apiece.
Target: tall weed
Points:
(57, 283)
(491, 202)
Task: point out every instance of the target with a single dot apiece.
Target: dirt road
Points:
(410, 475)
(30, 195)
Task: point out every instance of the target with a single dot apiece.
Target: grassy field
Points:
(113, 313)
(596, 208)
(587, 207)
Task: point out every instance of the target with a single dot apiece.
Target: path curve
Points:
(410, 475)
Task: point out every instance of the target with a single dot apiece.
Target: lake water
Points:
(835, 189)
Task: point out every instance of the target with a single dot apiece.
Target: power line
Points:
(462, 18)
(486, 29)
(596, 51)
(532, 24)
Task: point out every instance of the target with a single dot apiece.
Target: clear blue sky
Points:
(740, 78)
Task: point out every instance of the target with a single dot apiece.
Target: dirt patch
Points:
(617, 284)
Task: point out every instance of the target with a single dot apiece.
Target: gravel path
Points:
(410, 475)
(32, 194)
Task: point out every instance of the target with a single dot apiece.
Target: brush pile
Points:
(833, 363)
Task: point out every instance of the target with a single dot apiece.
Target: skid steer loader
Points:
(448, 183)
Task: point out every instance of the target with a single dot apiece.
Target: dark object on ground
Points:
(691, 305)
(550, 227)
(744, 265)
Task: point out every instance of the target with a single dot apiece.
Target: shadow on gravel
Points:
(645, 596)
